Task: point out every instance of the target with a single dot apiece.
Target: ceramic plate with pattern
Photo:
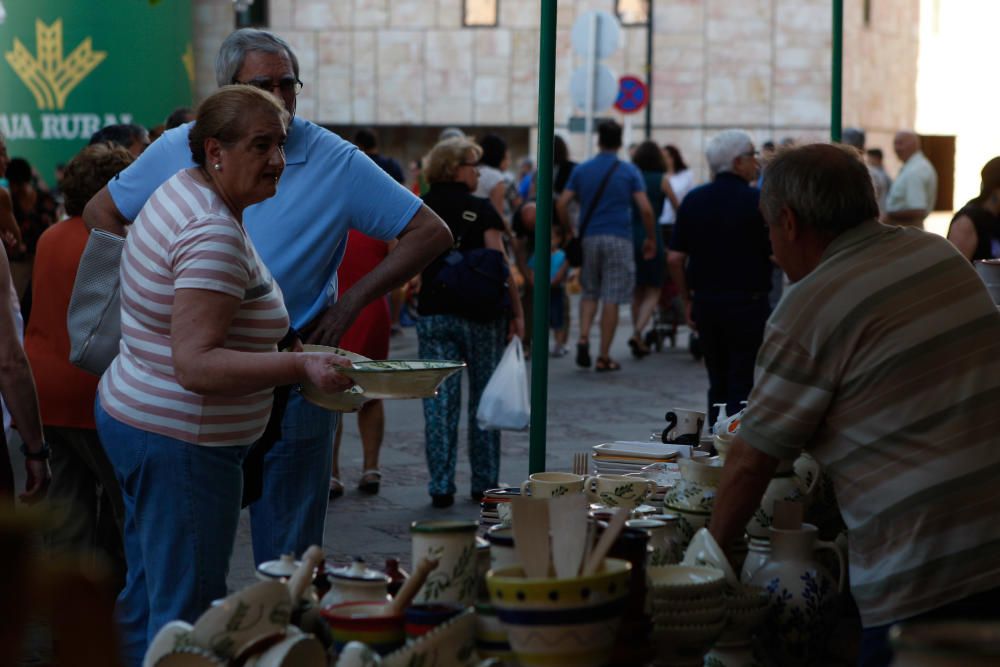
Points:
(402, 378)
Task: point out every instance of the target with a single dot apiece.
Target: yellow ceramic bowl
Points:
(570, 622)
(402, 378)
(341, 401)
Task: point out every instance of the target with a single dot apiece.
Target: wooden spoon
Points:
(530, 519)
(304, 575)
(568, 516)
(604, 544)
(410, 588)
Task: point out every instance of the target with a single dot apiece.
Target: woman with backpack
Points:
(469, 309)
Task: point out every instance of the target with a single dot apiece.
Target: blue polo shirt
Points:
(613, 215)
(328, 187)
(720, 227)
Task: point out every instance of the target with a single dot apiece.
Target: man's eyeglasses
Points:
(287, 85)
(474, 165)
(753, 154)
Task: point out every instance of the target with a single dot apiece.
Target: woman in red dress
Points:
(368, 336)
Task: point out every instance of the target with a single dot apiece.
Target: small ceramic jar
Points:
(502, 554)
(453, 544)
(668, 540)
(356, 583)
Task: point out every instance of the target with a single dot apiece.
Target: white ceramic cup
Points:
(552, 484)
(683, 425)
(619, 490)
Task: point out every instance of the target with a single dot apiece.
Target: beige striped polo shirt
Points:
(884, 363)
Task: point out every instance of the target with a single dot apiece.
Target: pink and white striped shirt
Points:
(185, 237)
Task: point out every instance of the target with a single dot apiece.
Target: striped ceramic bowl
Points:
(571, 622)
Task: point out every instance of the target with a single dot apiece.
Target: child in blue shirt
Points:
(558, 268)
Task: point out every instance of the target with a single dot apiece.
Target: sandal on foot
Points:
(336, 488)
(583, 355)
(638, 347)
(605, 364)
(370, 480)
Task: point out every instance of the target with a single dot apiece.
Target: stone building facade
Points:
(762, 65)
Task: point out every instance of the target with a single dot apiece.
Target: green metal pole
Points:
(837, 83)
(543, 238)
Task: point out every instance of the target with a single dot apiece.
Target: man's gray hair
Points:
(827, 187)
(726, 147)
(235, 48)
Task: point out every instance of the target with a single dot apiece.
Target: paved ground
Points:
(584, 409)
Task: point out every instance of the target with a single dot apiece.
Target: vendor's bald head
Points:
(906, 143)
(528, 215)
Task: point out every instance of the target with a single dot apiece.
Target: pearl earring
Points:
(218, 166)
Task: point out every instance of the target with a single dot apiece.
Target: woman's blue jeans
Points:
(182, 508)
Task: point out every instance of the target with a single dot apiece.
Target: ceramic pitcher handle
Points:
(671, 418)
(650, 488)
(525, 487)
(842, 573)
(589, 484)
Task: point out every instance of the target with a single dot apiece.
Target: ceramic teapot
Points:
(803, 597)
(356, 583)
(281, 569)
(795, 481)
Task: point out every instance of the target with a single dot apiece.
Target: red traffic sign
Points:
(633, 94)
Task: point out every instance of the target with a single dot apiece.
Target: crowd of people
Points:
(250, 232)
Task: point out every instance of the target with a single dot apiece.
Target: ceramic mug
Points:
(683, 426)
(552, 484)
(619, 490)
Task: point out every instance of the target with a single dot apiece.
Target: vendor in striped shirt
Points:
(883, 362)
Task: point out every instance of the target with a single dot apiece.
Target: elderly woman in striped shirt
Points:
(191, 388)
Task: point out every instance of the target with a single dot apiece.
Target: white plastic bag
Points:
(504, 404)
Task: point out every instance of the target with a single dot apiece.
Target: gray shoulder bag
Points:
(94, 316)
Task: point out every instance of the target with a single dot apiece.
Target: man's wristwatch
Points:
(41, 455)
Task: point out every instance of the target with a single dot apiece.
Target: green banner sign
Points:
(70, 67)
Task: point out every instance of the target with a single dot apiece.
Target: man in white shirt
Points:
(914, 191)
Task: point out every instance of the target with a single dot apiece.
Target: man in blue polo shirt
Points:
(722, 239)
(606, 188)
(328, 187)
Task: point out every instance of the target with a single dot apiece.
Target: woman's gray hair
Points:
(726, 147)
(235, 48)
(828, 188)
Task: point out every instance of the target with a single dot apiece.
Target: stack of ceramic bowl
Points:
(570, 621)
(689, 612)
(495, 507)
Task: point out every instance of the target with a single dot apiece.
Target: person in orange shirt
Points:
(83, 481)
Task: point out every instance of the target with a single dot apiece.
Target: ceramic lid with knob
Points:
(358, 572)
(283, 568)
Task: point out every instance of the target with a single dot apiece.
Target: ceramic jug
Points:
(693, 497)
(795, 481)
(803, 598)
(758, 553)
(356, 583)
